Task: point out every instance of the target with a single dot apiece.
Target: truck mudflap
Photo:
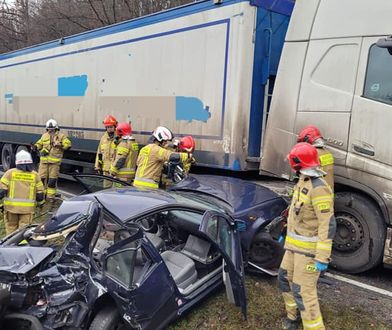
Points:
(35, 324)
(388, 249)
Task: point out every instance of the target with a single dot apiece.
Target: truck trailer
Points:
(201, 69)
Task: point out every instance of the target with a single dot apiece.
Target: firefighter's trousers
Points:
(49, 174)
(297, 280)
(14, 221)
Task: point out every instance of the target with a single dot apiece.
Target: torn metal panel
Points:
(22, 259)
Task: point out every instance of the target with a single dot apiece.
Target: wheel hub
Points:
(349, 233)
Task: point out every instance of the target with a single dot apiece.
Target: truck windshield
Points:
(378, 83)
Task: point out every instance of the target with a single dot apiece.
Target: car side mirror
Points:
(240, 225)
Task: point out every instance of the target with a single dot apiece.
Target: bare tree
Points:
(27, 22)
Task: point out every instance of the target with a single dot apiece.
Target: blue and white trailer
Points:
(204, 69)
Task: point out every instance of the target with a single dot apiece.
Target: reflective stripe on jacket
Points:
(22, 188)
(107, 150)
(52, 147)
(327, 162)
(311, 223)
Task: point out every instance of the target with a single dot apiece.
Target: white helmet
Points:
(162, 133)
(51, 123)
(23, 157)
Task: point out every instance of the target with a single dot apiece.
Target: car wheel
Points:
(360, 233)
(265, 251)
(108, 318)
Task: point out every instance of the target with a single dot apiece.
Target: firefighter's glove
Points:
(44, 152)
(320, 266)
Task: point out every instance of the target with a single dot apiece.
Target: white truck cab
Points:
(336, 73)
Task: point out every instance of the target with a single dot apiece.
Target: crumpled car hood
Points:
(240, 194)
(22, 259)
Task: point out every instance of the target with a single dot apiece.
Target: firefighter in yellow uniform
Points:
(311, 227)
(152, 157)
(124, 165)
(311, 134)
(20, 189)
(187, 144)
(51, 147)
(107, 147)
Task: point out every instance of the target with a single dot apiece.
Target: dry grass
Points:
(266, 311)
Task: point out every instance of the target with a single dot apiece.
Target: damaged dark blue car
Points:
(124, 258)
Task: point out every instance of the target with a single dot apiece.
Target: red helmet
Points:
(309, 134)
(303, 156)
(110, 121)
(187, 143)
(124, 129)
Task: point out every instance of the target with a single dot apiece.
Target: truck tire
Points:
(360, 234)
(7, 157)
(108, 318)
(265, 251)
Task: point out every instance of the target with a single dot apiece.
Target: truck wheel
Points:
(265, 251)
(360, 233)
(7, 157)
(108, 318)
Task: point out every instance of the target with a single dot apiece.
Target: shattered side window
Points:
(378, 82)
(128, 265)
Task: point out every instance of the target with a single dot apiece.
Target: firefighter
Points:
(20, 189)
(187, 144)
(311, 227)
(311, 134)
(51, 147)
(124, 165)
(152, 158)
(106, 147)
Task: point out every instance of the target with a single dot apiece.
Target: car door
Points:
(224, 234)
(97, 182)
(139, 282)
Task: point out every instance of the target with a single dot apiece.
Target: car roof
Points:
(241, 195)
(129, 202)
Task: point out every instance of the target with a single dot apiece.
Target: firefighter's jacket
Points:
(21, 190)
(188, 163)
(124, 164)
(150, 165)
(52, 147)
(105, 153)
(311, 223)
(326, 162)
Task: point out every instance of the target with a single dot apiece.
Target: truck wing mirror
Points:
(385, 43)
